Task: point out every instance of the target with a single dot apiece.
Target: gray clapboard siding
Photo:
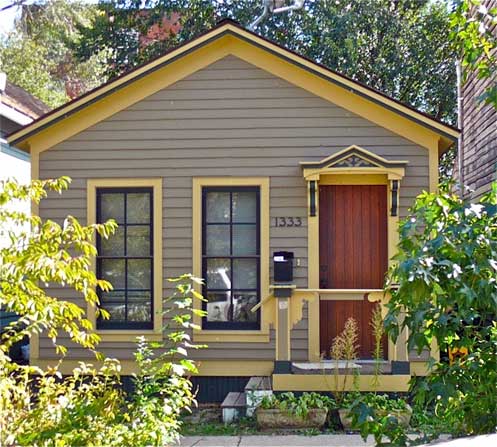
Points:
(228, 119)
(298, 337)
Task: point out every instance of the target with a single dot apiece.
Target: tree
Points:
(37, 56)
(443, 289)
(88, 407)
(473, 33)
(399, 47)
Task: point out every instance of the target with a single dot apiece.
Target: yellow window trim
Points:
(126, 335)
(267, 313)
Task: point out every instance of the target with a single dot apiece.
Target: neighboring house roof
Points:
(230, 38)
(23, 101)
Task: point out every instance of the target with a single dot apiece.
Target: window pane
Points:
(242, 303)
(112, 270)
(139, 273)
(114, 246)
(218, 306)
(218, 274)
(244, 240)
(218, 207)
(138, 207)
(112, 207)
(244, 274)
(138, 238)
(114, 296)
(217, 240)
(244, 206)
(117, 311)
(139, 311)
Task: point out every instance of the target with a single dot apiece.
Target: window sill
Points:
(200, 336)
(128, 335)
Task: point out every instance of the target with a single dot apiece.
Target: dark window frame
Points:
(231, 325)
(101, 323)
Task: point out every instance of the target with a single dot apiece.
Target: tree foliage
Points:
(444, 290)
(45, 252)
(398, 47)
(37, 54)
(40, 407)
(474, 34)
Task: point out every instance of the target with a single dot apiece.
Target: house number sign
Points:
(287, 221)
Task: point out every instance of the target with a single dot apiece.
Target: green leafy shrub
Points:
(344, 347)
(298, 406)
(87, 408)
(445, 285)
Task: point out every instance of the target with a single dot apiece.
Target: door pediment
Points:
(354, 159)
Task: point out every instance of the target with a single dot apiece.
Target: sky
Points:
(7, 17)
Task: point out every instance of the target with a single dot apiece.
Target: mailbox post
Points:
(282, 290)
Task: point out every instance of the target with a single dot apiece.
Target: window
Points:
(126, 258)
(231, 256)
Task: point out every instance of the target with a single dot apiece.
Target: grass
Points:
(245, 426)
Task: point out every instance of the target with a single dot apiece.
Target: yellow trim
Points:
(156, 184)
(433, 161)
(244, 368)
(267, 311)
(34, 341)
(313, 276)
(418, 368)
(379, 160)
(325, 382)
(353, 179)
(199, 53)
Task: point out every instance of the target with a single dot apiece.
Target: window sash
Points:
(232, 290)
(126, 324)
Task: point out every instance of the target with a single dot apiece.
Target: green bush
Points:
(443, 289)
(298, 406)
(88, 407)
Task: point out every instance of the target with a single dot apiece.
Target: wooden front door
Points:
(353, 254)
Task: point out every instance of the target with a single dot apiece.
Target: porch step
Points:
(234, 407)
(259, 383)
(328, 367)
(256, 389)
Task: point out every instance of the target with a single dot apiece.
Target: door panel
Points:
(353, 255)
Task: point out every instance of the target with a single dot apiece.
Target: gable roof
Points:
(23, 101)
(230, 38)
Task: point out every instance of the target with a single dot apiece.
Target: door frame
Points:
(326, 172)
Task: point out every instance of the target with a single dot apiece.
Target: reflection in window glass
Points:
(231, 257)
(125, 259)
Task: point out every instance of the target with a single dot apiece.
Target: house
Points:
(17, 109)
(477, 158)
(212, 158)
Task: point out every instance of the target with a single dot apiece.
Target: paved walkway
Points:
(320, 440)
(276, 441)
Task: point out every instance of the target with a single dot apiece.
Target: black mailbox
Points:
(283, 266)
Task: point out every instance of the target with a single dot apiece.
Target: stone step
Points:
(363, 367)
(256, 389)
(234, 407)
(259, 383)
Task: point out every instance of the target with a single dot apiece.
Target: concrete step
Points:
(256, 389)
(329, 366)
(234, 407)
